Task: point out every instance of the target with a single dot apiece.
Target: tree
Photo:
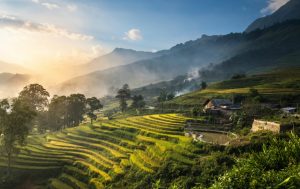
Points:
(238, 76)
(36, 96)
(164, 96)
(76, 108)
(203, 85)
(170, 96)
(93, 105)
(138, 102)
(123, 95)
(14, 120)
(57, 114)
(254, 95)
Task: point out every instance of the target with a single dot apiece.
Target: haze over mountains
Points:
(12, 68)
(264, 45)
(117, 57)
(218, 56)
(178, 60)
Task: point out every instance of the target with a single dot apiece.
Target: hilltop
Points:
(276, 83)
(289, 11)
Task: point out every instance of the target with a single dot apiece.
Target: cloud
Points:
(273, 5)
(133, 34)
(48, 5)
(11, 22)
(72, 8)
(97, 50)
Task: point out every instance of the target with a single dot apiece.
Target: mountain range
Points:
(167, 64)
(12, 68)
(118, 57)
(289, 11)
(15, 82)
(217, 57)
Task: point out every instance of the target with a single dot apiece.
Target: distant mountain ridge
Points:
(118, 57)
(274, 47)
(289, 11)
(11, 84)
(219, 57)
(12, 68)
(168, 64)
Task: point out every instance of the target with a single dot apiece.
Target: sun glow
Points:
(49, 55)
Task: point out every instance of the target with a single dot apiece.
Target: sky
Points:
(39, 33)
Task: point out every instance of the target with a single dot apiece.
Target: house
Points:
(289, 110)
(260, 125)
(219, 105)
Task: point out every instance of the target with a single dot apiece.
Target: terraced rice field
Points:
(92, 156)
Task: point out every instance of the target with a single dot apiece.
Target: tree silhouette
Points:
(123, 95)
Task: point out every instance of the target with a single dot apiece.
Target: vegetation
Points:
(123, 95)
(138, 102)
(93, 105)
(278, 86)
(14, 121)
(163, 97)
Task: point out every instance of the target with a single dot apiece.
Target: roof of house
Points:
(289, 109)
(220, 102)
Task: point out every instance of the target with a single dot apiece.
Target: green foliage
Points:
(238, 76)
(14, 121)
(123, 95)
(163, 97)
(277, 166)
(203, 85)
(138, 102)
(196, 111)
(93, 104)
(66, 111)
(271, 86)
(36, 96)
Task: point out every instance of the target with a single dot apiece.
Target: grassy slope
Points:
(276, 82)
(95, 156)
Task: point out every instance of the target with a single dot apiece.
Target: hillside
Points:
(280, 82)
(12, 68)
(178, 60)
(277, 46)
(11, 84)
(150, 152)
(289, 11)
(99, 155)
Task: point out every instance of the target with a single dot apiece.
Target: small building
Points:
(220, 104)
(217, 103)
(289, 110)
(260, 125)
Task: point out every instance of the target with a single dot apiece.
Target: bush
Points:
(276, 166)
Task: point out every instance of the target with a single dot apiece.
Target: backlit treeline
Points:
(60, 111)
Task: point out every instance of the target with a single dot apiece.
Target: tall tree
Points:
(57, 113)
(36, 96)
(93, 105)
(203, 85)
(123, 95)
(138, 102)
(163, 97)
(76, 108)
(14, 120)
